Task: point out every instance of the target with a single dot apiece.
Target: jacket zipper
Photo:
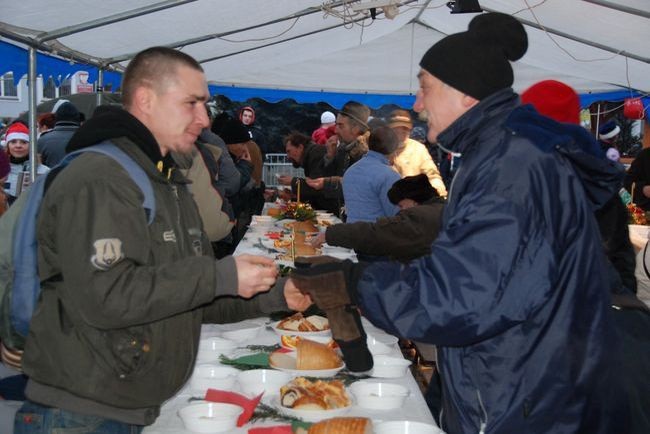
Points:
(484, 419)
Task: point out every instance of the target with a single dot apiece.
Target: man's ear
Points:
(143, 99)
(469, 101)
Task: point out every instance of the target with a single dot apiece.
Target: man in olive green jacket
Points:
(116, 331)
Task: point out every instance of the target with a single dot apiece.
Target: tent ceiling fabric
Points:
(379, 58)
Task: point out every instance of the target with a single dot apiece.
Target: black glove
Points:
(329, 286)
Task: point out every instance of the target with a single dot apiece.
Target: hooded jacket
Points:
(515, 292)
(117, 328)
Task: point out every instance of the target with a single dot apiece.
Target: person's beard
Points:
(296, 165)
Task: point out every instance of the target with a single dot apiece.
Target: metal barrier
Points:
(278, 164)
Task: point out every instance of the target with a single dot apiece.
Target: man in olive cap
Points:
(515, 292)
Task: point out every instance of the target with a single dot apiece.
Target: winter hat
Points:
(233, 131)
(356, 111)
(400, 118)
(477, 61)
(417, 188)
(5, 167)
(67, 112)
(58, 104)
(555, 100)
(327, 118)
(17, 131)
(608, 130)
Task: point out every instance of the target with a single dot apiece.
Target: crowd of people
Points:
(510, 269)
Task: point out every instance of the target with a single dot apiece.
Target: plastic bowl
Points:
(389, 367)
(242, 335)
(256, 381)
(378, 348)
(207, 377)
(379, 396)
(210, 417)
(211, 348)
(406, 427)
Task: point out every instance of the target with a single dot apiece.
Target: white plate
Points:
(290, 368)
(270, 244)
(282, 332)
(281, 223)
(309, 415)
(406, 427)
(242, 331)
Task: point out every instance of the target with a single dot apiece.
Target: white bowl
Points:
(210, 417)
(406, 427)
(379, 396)
(256, 381)
(378, 348)
(308, 335)
(324, 214)
(389, 367)
(211, 348)
(242, 335)
(207, 377)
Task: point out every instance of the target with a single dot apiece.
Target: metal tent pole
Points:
(31, 78)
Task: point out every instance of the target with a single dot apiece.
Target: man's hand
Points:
(254, 274)
(316, 183)
(284, 179)
(285, 194)
(296, 300)
(331, 144)
(646, 191)
(318, 240)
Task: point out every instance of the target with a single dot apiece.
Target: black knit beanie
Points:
(233, 131)
(477, 61)
(415, 187)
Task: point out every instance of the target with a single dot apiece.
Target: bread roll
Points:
(342, 425)
(312, 355)
(274, 212)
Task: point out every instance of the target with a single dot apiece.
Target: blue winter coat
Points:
(514, 293)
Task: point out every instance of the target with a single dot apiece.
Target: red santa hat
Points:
(17, 131)
(555, 100)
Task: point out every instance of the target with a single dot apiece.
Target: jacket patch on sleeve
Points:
(169, 236)
(108, 252)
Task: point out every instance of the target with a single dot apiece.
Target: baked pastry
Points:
(342, 425)
(274, 212)
(298, 323)
(303, 394)
(312, 355)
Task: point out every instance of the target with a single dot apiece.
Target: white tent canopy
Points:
(593, 45)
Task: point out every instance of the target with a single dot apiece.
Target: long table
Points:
(414, 408)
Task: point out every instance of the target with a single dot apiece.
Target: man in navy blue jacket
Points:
(515, 292)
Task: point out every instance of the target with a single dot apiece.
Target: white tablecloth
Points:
(414, 408)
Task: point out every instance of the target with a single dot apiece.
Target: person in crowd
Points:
(302, 152)
(17, 138)
(405, 236)
(117, 328)
(608, 134)
(5, 169)
(412, 157)
(366, 182)
(249, 199)
(52, 145)
(345, 148)
(515, 292)
(559, 101)
(326, 130)
(45, 122)
(637, 179)
(247, 117)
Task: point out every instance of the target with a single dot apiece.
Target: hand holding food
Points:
(254, 274)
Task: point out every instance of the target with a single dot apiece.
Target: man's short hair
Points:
(153, 67)
(297, 139)
(383, 140)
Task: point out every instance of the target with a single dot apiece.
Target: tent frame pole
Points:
(33, 155)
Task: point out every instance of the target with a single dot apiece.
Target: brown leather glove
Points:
(328, 286)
